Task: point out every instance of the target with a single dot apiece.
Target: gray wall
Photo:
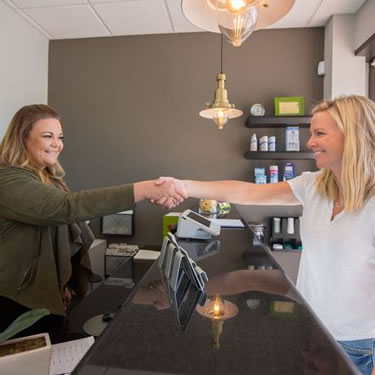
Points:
(130, 106)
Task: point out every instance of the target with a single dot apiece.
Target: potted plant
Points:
(25, 355)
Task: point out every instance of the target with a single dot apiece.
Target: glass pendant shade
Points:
(220, 118)
(220, 110)
(236, 19)
(203, 13)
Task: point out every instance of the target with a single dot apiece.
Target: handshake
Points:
(167, 192)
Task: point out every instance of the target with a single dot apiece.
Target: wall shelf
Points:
(271, 155)
(278, 122)
(294, 251)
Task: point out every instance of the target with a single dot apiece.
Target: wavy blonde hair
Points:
(13, 152)
(355, 117)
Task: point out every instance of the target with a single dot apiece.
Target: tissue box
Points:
(32, 361)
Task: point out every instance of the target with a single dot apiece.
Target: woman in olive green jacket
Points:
(43, 235)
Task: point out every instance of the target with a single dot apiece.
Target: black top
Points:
(274, 331)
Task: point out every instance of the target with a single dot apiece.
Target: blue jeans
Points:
(362, 353)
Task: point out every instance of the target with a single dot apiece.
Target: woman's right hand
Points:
(170, 202)
(170, 192)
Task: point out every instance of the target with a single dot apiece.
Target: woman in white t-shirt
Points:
(337, 268)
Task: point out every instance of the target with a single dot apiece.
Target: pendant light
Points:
(220, 110)
(236, 19)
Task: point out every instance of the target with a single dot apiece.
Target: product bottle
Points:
(290, 227)
(272, 143)
(254, 143)
(276, 225)
(263, 143)
(274, 174)
(289, 171)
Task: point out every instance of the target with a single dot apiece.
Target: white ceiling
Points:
(67, 19)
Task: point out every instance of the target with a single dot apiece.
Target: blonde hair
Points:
(355, 117)
(13, 152)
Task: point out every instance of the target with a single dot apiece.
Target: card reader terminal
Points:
(192, 225)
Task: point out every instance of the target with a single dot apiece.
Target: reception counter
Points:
(270, 328)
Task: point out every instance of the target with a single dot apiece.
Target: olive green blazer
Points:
(39, 236)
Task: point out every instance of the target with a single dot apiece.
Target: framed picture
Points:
(289, 106)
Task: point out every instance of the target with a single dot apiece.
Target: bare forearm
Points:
(232, 191)
(242, 192)
(141, 190)
(270, 281)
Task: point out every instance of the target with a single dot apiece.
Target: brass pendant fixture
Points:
(220, 110)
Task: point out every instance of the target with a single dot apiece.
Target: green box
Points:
(283, 309)
(169, 220)
(289, 106)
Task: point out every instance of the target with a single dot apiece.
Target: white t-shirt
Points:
(337, 269)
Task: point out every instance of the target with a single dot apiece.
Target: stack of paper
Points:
(229, 223)
(66, 356)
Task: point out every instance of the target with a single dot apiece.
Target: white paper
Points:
(65, 356)
(147, 255)
(229, 223)
(128, 212)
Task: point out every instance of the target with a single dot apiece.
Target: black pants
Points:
(54, 325)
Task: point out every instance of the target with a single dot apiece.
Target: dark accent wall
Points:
(130, 106)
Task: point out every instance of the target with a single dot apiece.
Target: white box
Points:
(292, 138)
(34, 361)
(96, 254)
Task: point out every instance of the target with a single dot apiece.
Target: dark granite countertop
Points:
(274, 331)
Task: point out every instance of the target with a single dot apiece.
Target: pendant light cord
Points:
(221, 54)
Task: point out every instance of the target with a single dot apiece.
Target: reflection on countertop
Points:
(271, 331)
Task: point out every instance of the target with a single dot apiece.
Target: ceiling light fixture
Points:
(220, 110)
(236, 19)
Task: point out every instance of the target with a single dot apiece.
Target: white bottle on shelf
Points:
(290, 226)
(254, 143)
(263, 143)
(272, 143)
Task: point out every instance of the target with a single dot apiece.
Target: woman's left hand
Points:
(67, 298)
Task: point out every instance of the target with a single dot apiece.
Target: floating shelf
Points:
(271, 155)
(293, 251)
(276, 122)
